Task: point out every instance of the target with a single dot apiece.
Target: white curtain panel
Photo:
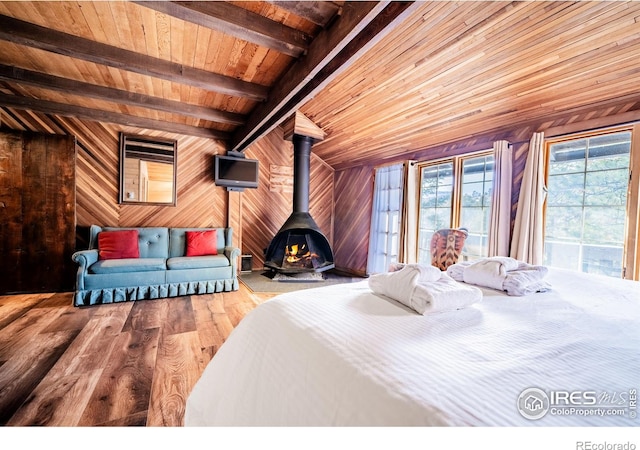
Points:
(527, 244)
(409, 238)
(500, 222)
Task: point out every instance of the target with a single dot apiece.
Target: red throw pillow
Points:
(118, 244)
(201, 243)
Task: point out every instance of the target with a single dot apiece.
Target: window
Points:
(384, 242)
(475, 205)
(448, 200)
(586, 209)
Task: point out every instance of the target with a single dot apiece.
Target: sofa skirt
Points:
(125, 294)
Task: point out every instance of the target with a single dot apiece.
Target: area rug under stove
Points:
(263, 281)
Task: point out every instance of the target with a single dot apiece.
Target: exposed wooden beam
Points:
(361, 25)
(238, 22)
(62, 109)
(328, 43)
(393, 15)
(45, 81)
(31, 35)
(319, 13)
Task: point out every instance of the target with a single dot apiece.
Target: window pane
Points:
(386, 215)
(473, 220)
(567, 157)
(586, 203)
(605, 226)
(610, 151)
(475, 208)
(474, 187)
(604, 260)
(473, 194)
(564, 223)
(604, 188)
(562, 254)
(436, 199)
(568, 189)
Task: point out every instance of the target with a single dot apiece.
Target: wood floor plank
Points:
(236, 306)
(182, 317)
(70, 318)
(17, 336)
(122, 364)
(147, 314)
(57, 402)
(205, 307)
(124, 388)
(11, 310)
(59, 299)
(92, 347)
(23, 371)
(179, 366)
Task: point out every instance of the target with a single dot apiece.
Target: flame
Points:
(294, 253)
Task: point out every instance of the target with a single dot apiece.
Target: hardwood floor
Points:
(125, 364)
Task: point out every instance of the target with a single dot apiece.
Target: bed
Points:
(343, 356)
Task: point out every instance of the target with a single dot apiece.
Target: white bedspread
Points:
(343, 356)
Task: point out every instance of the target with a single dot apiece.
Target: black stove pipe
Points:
(301, 172)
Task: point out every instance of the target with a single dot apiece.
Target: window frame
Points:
(456, 195)
(631, 249)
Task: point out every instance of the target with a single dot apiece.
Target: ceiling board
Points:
(379, 87)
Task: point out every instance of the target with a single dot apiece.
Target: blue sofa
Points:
(161, 271)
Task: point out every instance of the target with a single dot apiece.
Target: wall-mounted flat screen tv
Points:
(236, 173)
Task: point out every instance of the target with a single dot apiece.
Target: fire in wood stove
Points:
(298, 253)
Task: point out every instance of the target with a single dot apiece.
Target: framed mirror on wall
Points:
(148, 168)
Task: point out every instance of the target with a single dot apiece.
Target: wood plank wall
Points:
(340, 201)
(265, 210)
(37, 206)
(200, 203)
(352, 206)
(255, 214)
(353, 203)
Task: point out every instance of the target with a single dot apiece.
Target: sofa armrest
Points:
(232, 253)
(84, 258)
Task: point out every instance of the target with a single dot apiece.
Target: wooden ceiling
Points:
(382, 79)
(227, 70)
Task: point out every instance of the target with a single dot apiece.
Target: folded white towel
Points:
(489, 272)
(456, 271)
(515, 277)
(446, 294)
(402, 282)
(424, 289)
(526, 279)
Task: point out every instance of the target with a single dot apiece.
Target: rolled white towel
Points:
(526, 279)
(456, 271)
(515, 277)
(425, 272)
(446, 294)
(490, 272)
(400, 284)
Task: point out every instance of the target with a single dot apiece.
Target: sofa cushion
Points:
(128, 265)
(153, 242)
(197, 262)
(178, 239)
(118, 244)
(202, 243)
